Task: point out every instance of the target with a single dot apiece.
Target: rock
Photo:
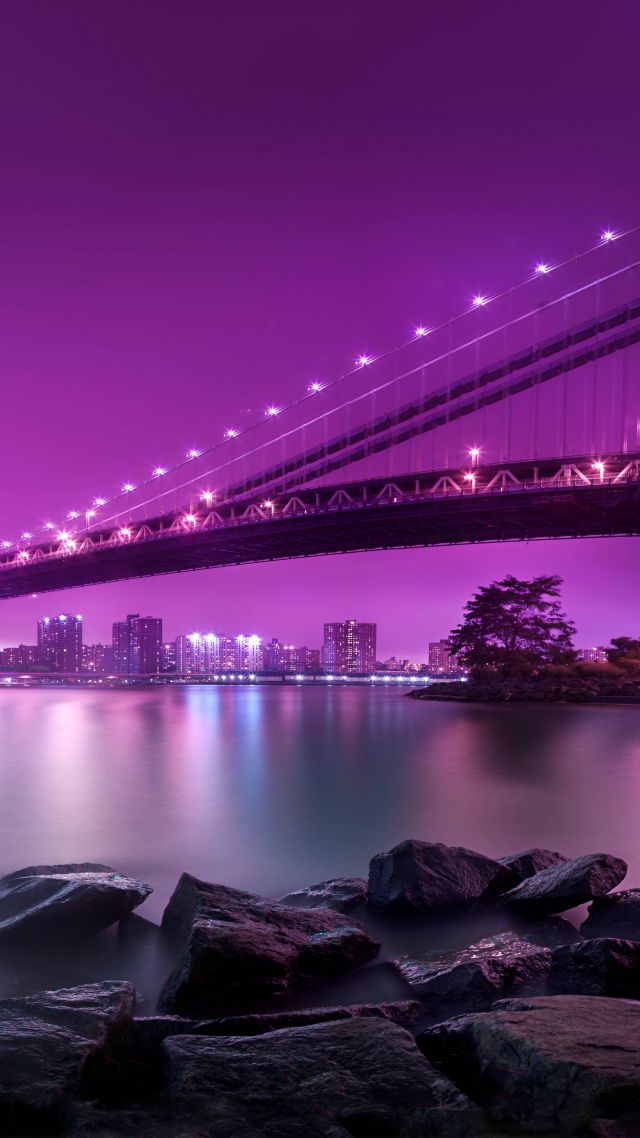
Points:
(566, 885)
(363, 1077)
(240, 952)
(43, 904)
(607, 967)
(136, 931)
(426, 877)
(529, 862)
(548, 1064)
(550, 932)
(341, 894)
(471, 979)
(54, 1044)
(615, 915)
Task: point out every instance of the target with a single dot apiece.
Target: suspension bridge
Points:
(516, 420)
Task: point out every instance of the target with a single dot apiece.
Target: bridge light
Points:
(23, 555)
(273, 411)
(230, 433)
(91, 513)
(128, 487)
(207, 497)
(26, 535)
(190, 518)
(421, 331)
(470, 477)
(542, 268)
(73, 514)
(315, 387)
(479, 301)
(99, 501)
(607, 235)
(363, 361)
(49, 525)
(6, 545)
(158, 471)
(268, 505)
(193, 453)
(63, 535)
(600, 467)
(124, 533)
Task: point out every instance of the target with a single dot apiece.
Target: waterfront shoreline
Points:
(546, 689)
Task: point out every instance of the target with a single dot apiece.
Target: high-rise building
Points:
(60, 642)
(249, 656)
(97, 658)
(349, 646)
(441, 660)
(22, 658)
(168, 657)
(594, 655)
(136, 645)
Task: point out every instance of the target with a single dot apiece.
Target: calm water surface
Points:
(271, 789)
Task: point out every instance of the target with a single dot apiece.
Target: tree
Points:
(514, 627)
(624, 651)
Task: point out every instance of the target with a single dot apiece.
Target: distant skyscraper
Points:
(24, 658)
(60, 642)
(349, 646)
(249, 656)
(594, 655)
(168, 657)
(97, 658)
(441, 660)
(136, 645)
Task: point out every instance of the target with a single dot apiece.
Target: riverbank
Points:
(540, 689)
(522, 1024)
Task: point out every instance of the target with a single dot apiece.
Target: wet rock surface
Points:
(340, 893)
(55, 1045)
(550, 1064)
(240, 951)
(566, 885)
(615, 915)
(429, 877)
(58, 903)
(361, 1077)
(606, 967)
(529, 862)
(473, 978)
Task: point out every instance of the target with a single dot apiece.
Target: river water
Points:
(271, 789)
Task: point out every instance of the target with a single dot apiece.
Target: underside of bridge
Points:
(551, 512)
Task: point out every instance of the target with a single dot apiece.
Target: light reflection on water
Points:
(270, 789)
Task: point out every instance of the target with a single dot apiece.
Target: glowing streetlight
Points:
(207, 497)
(363, 361)
(6, 545)
(273, 411)
(421, 331)
(99, 501)
(128, 487)
(23, 555)
(230, 433)
(470, 477)
(158, 471)
(542, 268)
(607, 235)
(600, 467)
(315, 387)
(474, 455)
(268, 505)
(26, 535)
(190, 519)
(91, 513)
(73, 514)
(49, 525)
(479, 301)
(193, 453)
(124, 533)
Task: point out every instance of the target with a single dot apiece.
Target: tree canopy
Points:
(514, 627)
(624, 651)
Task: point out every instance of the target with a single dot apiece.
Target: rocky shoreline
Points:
(529, 1028)
(539, 689)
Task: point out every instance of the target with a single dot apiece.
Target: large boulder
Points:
(615, 915)
(340, 893)
(471, 979)
(566, 885)
(363, 1077)
(548, 931)
(428, 877)
(55, 1044)
(529, 862)
(45, 904)
(239, 952)
(548, 1064)
(606, 967)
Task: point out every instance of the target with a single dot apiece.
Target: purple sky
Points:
(204, 205)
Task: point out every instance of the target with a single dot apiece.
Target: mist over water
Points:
(269, 790)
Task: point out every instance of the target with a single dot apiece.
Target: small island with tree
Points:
(517, 645)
